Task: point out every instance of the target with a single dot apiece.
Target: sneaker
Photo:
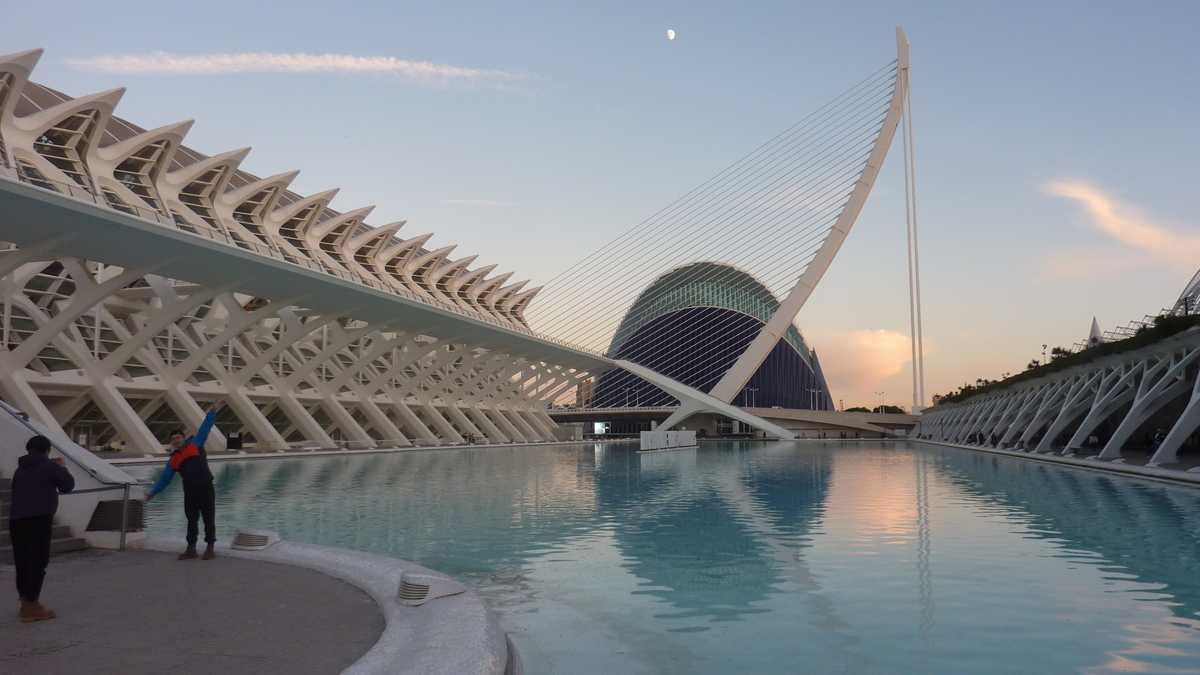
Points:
(189, 554)
(209, 553)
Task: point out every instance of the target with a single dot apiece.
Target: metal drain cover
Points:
(413, 593)
(418, 589)
(254, 540)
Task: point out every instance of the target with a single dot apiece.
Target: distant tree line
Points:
(889, 409)
(1163, 326)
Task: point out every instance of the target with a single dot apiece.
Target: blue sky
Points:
(608, 121)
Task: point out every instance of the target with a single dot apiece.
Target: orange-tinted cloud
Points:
(1140, 240)
(857, 362)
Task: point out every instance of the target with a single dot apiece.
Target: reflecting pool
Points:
(764, 557)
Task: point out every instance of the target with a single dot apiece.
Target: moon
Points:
(670, 33)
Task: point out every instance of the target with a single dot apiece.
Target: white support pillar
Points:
(87, 295)
(975, 419)
(1077, 399)
(1149, 400)
(305, 422)
(53, 331)
(410, 420)
(546, 430)
(447, 431)
(1028, 408)
(379, 420)
(344, 420)
(546, 420)
(465, 424)
(1115, 390)
(1185, 425)
(337, 413)
(1011, 403)
(526, 430)
(1045, 412)
(17, 392)
(507, 426)
(492, 432)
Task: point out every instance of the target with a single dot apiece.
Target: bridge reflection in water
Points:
(839, 557)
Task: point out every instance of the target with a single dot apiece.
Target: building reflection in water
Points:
(730, 532)
(713, 532)
(1123, 526)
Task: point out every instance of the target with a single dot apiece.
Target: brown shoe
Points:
(35, 611)
(209, 553)
(189, 554)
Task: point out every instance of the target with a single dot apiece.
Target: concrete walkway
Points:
(145, 612)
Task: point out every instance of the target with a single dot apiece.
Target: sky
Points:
(1055, 142)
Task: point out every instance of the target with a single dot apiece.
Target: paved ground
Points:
(143, 612)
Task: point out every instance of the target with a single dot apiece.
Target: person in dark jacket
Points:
(190, 461)
(35, 487)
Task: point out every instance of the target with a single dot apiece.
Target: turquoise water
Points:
(765, 558)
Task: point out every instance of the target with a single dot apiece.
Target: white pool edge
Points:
(289, 454)
(1173, 476)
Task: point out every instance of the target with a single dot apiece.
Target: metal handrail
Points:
(22, 418)
(82, 193)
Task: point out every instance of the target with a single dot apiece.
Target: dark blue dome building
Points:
(691, 324)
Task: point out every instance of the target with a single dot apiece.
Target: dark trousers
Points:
(31, 553)
(200, 500)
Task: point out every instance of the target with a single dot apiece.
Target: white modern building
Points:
(143, 278)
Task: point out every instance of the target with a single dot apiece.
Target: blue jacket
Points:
(198, 439)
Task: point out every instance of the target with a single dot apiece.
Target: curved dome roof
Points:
(703, 284)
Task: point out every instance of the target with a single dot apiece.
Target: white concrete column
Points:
(1168, 451)
(1149, 400)
(305, 422)
(493, 432)
(380, 421)
(20, 395)
(447, 431)
(1028, 408)
(1115, 390)
(519, 422)
(501, 421)
(531, 418)
(1045, 412)
(465, 424)
(1077, 399)
(410, 420)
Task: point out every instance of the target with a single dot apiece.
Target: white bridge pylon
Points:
(820, 254)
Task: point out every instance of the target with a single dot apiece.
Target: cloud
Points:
(857, 362)
(1150, 242)
(266, 62)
